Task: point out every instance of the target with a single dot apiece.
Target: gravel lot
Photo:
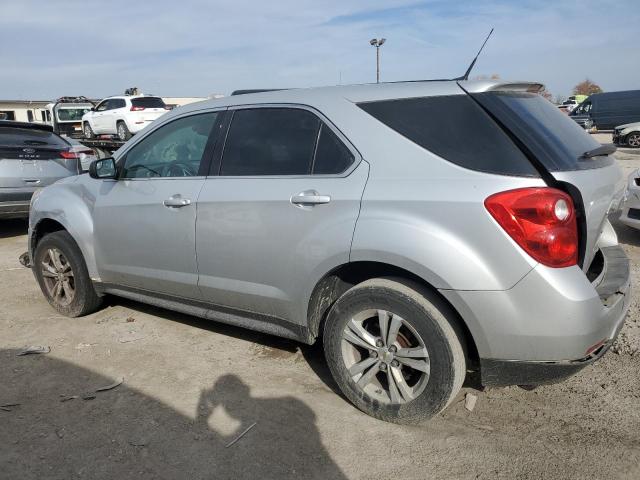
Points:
(192, 386)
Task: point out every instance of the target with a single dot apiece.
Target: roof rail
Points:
(256, 90)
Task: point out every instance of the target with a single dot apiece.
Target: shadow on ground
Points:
(123, 433)
(13, 228)
(313, 354)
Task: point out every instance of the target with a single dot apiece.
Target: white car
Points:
(631, 206)
(122, 115)
(627, 135)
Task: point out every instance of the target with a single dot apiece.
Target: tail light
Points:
(74, 155)
(541, 220)
(136, 109)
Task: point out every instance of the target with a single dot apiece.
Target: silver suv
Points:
(423, 230)
(32, 156)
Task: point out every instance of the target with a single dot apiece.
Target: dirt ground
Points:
(192, 386)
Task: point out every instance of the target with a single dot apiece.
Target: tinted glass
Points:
(332, 156)
(174, 150)
(554, 139)
(270, 141)
(26, 136)
(148, 102)
(102, 106)
(455, 128)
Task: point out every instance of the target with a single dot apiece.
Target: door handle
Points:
(31, 180)
(310, 197)
(176, 201)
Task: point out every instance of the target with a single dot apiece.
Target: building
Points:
(24, 110)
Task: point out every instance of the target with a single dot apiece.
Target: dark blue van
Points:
(608, 110)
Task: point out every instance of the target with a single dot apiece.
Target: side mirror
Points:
(93, 109)
(102, 169)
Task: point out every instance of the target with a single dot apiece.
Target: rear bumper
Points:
(135, 126)
(548, 325)
(497, 373)
(15, 204)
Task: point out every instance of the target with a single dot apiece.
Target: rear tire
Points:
(122, 131)
(88, 131)
(404, 326)
(633, 140)
(63, 276)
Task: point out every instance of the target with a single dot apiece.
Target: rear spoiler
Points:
(31, 126)
(478, 86)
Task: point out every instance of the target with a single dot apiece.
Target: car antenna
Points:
(466, 74)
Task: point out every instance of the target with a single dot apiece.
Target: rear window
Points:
(554, 139)
(148, 102)
(26, 136)
(455, 128)
(72, 114)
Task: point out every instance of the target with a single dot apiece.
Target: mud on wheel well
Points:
(341, 279)
(43, 228)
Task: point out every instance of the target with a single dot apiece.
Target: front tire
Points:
(63, 276)
(123, 132)
(392, 350)
(633, 140)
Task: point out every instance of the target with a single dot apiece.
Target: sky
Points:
(51, 48)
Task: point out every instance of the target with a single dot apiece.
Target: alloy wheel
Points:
(633, 140)
(121, 133)
(58, 277)
(385, 356)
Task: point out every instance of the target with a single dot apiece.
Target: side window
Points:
(102, 106)
(173, 150)
(30, 115)
(270, 141)
(332, 156)
(115, 103)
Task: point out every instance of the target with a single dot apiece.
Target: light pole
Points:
(377, 43)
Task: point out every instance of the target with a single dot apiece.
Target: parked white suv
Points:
(122, 116)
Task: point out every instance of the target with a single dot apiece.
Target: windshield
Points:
(554, 139)
(66, 114)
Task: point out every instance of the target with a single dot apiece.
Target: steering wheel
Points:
(178, 169)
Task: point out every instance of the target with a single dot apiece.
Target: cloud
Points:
(201, 47)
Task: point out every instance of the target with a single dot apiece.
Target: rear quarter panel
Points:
(426, 215)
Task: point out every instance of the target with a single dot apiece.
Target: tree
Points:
(559, 99)
(586, 87)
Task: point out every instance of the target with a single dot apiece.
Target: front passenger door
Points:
(145, 220)
(97, 118)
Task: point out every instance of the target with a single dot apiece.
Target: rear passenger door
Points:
(278, 211)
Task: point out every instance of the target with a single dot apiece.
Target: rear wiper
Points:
(601, 151)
